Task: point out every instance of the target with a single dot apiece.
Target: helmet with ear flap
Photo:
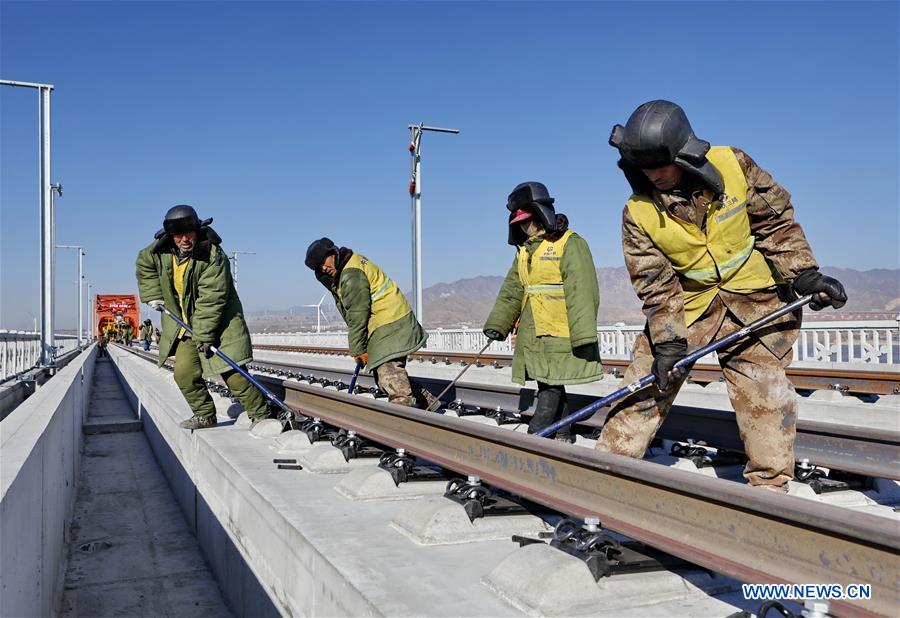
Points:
(533, 196)
(657, 134)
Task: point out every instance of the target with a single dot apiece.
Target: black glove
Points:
(490, 333)
(587, 352)
(665, 355)
(826, 290)
(205, 349)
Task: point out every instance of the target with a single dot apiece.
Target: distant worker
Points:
(146, 333)
(383, 330)
(711, 244)
(185, 270)
(551, 291)
(156, 335)
(127, 334)
(101, 346)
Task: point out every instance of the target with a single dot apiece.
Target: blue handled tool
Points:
(288, 415)
(359, 365)
(688, 360)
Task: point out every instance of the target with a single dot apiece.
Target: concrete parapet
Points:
(40, 457)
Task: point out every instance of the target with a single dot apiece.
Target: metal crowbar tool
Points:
(287, 416)
(687, 361)
(437, 402)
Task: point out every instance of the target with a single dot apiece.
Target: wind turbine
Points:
(319, 313)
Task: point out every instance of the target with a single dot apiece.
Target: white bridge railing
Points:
(872, 342)
(21, 350)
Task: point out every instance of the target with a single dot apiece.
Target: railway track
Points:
(860, 382)
(751, 535)
(847, 447)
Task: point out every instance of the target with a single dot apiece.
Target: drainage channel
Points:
(130, 552)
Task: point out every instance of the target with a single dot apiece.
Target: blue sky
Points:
(287, 121)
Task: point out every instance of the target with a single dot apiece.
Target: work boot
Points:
(546, 410)
(271, 412)
(199, 422)
(778, 489)
(565, 433)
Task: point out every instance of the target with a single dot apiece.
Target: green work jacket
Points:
(211, 304)
(554, 360)
(392, 341)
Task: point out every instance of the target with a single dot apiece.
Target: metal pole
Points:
(415, 192)
(90, 330)
(80, 278)
(417, 230)
(47, 249)
(80, 296)
(234, 263)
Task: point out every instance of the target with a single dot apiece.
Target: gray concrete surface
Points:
(130, 552)
(543, 581)
(40, 456)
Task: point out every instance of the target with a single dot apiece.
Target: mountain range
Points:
(465, 303)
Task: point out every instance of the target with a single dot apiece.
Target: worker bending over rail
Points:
(711, 244)
(185, 270)
(551, 291)
(383, 330)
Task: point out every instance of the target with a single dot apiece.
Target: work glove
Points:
(588, 352)
(494, 335)
(205, 349)
(665, 355)
(825, 290)
(156, 305)
(362, 358)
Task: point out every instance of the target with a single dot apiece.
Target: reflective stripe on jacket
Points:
(721, 257)
(542, 278)
(388, 303)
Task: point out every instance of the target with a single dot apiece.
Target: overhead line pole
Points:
(415, 192)
(48, 350)
(90, 299)
(80, 287)
(234, 262)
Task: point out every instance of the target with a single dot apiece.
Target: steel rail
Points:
(742, 532)
(746, 533)
(863, 381)
(850, 448)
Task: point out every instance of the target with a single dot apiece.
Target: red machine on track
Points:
(114, 310)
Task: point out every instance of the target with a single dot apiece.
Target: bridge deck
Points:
(130, 549)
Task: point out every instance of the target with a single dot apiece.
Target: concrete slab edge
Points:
(40, 459)
(223, 507)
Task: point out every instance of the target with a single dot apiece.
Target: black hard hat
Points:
(657, 134)
(317, 252)
(526, 194)
(181, 219)
(534, 197)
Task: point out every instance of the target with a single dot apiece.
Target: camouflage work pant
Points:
(391, 377)
(189, 378)
(764, 401)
